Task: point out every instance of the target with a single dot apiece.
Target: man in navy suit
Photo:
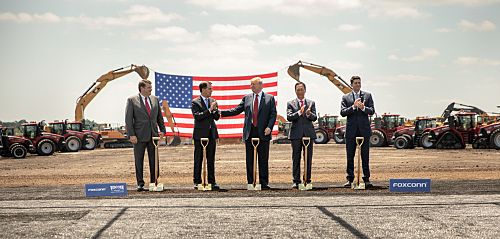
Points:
(260, 116)
(205, 114)
(357, 106)
(302, 113)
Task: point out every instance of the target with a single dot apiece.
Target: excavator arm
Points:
(100, 83)
(454, 106)
(294, 72)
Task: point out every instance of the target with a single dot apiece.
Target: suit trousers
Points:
(365, 157)
(198, 161)
(297, 149)
(262, 155)
(139, 150)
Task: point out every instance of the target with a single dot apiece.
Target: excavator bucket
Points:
(176, 141)
(294, 71)
(143, 71)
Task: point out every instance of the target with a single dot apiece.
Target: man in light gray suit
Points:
(302, 113)
(142, 118)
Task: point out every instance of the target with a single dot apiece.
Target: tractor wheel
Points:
(90, 143)
(321, 137)
(401, 142)
(377, 139)
(495, 139)
(18, 151)
(73, 144)
(46, 147)
(339, 137)
(425, 141)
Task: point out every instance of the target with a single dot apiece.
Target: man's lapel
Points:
(262, 103)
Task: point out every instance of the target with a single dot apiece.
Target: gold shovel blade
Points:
(159, 188)
(207, 187)
(306, 186)
(257, 187)
(360, 186)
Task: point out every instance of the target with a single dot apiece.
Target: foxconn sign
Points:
(106, 190)
(410, 185)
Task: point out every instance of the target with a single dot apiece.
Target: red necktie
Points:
(255, 113)
(301, 103)
(147, 106)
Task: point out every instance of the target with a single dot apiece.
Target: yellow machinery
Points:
(111, 137)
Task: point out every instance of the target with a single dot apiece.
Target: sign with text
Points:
(106, 190)
(410, 185)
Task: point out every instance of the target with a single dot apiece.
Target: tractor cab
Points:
(388, 121)
(31, 130)
(465, 121)
(328, 121)
(75, 126)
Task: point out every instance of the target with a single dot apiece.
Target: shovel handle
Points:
(255, 159)
(204, 142)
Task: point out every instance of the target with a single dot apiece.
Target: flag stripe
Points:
(228, 91)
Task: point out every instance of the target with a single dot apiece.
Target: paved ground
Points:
(351, 216)
(42, 197)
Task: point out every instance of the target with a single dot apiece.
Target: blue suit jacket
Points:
(357, 119)
(266, 116)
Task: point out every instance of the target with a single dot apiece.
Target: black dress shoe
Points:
(295, 186)
(347, 184)
(265, 187)
(368, 184)
(215, 187)
(141, 189)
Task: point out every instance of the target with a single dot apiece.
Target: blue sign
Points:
(106, 190)
(410, 185)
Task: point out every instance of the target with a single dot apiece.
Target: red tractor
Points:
(94, 139)
(44, 143)
(325, 128)
(488, 137)
(383, 129)
(408, 138)
(14, 146)
(460, 131)
(74, 140)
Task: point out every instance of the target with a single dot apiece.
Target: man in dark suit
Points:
(357, 106)
(205, 113)
(302, 113)
(143, 117)
(260, 116)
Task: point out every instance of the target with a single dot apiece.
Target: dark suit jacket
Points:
(204, 121)
(357, 119)
(302, 126)
(139, 123)
(266, 116)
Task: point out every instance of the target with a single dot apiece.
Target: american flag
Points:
(179, 91)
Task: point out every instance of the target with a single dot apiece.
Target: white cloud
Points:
(483, 26)
(443, 30)
(425, 53)
(290, 7)
(394, 9)
(134, 16)
(356, 44)
(292, 39)
(220, 30)
(348, 27)
(172, 34)
(466, 60)
(26, 17)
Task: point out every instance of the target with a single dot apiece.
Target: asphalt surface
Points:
(327, 212)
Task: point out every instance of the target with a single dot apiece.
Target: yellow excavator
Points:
(327, 125)
(294, 72)
(113, 138)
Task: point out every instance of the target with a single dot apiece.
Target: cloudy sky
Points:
(414, 56)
